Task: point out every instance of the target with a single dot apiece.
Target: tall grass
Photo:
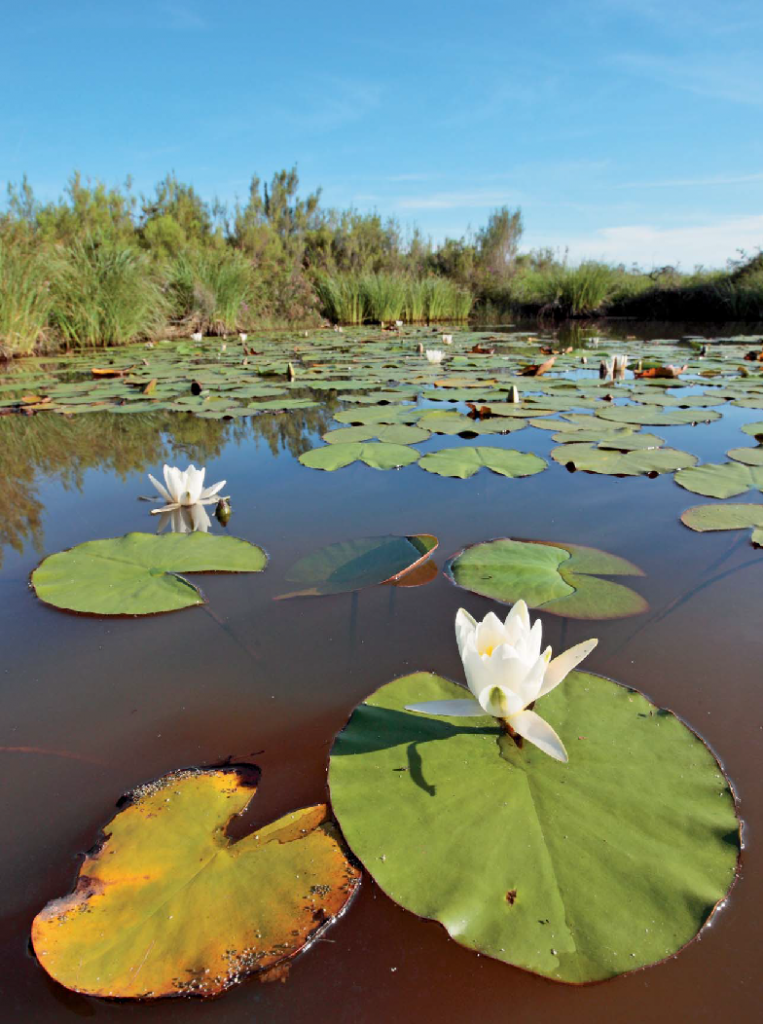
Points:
(104, 294)
(347, 298)
(211, 291)
(384, 296)
(341, 298)
(24, 299)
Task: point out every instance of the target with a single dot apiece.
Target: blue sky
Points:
(625, 129)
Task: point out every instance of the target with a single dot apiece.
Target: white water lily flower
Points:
(196, 336)
(434, 355)
(506, 673)
(242, 336)
(447, 339)
(184, 489)
(398, 323)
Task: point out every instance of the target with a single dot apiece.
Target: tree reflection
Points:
(64, 448)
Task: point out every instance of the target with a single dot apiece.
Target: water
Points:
(92, 707)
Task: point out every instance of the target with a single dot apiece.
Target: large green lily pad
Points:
(138, 574)
(365, 562)
(166, 904)
(559, 578)
(704, 518)
(639, 462)
(655, 416)
(577, 872)
(376, 454)
(465, 462)
(721, 480)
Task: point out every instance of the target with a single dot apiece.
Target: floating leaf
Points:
(577, 872)
(655, 416)
(704, 518)
(650, 462)
(354, 564)
(721, 480)
(756, 429)
(167, 905)
(465, 462)
(138, 574)
(377, 454)
(749, 456)
(396, 433)
(559, 578)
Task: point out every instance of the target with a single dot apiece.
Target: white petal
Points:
(167, 508)
(175, 481)
(500, 702)
(530, 687)
(199, 519)
(449, 708)
(480, 672)
(517, 622)
(537, 731)
(161, 490)
(531, 647)
(564, 663)
(194, 480)
(489, 634)
(465, 627)
(209, 492)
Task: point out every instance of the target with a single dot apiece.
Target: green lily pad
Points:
(721, 480)
(465, 462)
(756, 429)
(655, 416)
(138, 574)
(379, 414)
(377, 454)
(396, 433)
(167, 905)
(704, 518)
(577, 872)
(559, 578)
(749, 456)
(354, 564)
(650, 461)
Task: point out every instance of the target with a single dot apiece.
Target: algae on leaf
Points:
(166, 904)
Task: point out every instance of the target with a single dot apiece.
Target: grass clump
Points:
(24, 299)
(212, 292)
(104, 294)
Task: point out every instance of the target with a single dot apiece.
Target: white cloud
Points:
(708, 244)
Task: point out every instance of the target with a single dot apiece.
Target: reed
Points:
(24, 299)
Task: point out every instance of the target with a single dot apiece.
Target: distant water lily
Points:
(242, 336)
(185, 489)
(434, 355)
(447, 339)
(506, 672)
(196, 336)
(398, 323)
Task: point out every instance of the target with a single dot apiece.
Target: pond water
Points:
(94, 706)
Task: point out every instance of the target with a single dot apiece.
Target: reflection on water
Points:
(93, 707)
(64, 449)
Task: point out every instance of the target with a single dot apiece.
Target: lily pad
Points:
(138, 574)
(354, 564)
(577, 872)
(465, 462)
(166, 904)
(721, 480)
(649, 461)
(377, 454)
(655, 416)
(749, 456)
(705, 518)
(756, 429)
(396, 433)
(559, 578)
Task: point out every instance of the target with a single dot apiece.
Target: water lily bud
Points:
(513, 394)
(223, 511)
(290, 371)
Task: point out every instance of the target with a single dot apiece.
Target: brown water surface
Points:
(92, 707)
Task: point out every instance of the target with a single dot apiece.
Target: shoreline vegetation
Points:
(102, 267)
